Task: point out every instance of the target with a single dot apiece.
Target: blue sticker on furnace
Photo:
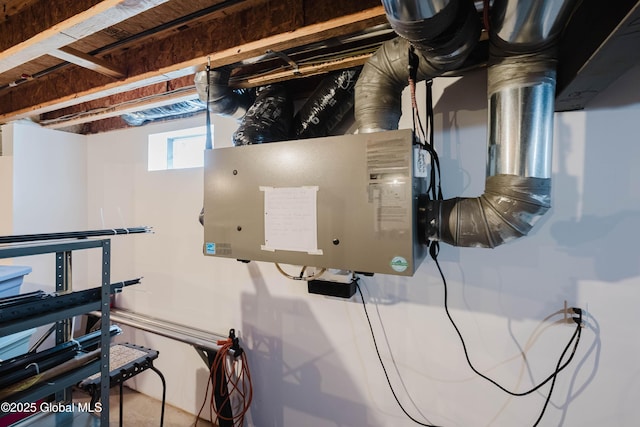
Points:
(210, 248)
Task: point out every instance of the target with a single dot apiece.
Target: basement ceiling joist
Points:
(311, 60)
(102, 58)
(54, 25)
(229, 38)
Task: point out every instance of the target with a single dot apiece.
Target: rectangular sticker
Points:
(290, 219)
(210, 248)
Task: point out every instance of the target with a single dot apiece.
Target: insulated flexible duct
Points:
(173, 111)
(265, 116)
(269, 118)
(521, 91)
(222, 101)
(327, 106)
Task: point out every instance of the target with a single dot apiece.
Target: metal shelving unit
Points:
(61, 386)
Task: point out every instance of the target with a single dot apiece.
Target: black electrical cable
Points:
(384, 369)
(559, 367)
(434, 191)
(576, 336)
(420, 135)
(435, 183)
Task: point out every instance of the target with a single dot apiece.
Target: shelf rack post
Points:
(105, 338)
(63, 327)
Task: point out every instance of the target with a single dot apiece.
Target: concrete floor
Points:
(139, 411)
(143, 411)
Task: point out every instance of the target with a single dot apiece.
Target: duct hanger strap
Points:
(287, 59)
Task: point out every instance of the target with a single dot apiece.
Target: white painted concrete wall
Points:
(49, 192)
(312, 358)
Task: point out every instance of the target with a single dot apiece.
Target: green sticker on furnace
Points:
(399, 264)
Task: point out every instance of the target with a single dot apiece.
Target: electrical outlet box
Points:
(346, 202)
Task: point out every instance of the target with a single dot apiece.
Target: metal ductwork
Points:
(521, 92)
(167, 112)
(221, 98)
(443, 32)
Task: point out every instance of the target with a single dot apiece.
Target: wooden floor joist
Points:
(236, 37)
(20, 43)
(124, 108)
(87, 61)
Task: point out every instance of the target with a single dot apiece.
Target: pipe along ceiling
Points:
(521, 73)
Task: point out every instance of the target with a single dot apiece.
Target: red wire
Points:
(485, 14)
(412, 91)
(237, 383)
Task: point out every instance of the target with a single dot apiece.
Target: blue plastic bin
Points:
(10, 282)
(11, 279)
(15, 344)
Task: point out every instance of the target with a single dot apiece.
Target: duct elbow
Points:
(442, 36)
(218, 96)
(444, 31)
(509, 208)
(378, 89)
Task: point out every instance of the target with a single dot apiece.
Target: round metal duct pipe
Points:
(521, 92)
(222, 99)
(443, 32)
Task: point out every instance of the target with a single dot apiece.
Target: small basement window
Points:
(179, 149)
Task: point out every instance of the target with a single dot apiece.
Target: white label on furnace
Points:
(420, 162)
(291, 219)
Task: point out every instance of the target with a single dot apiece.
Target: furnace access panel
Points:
(346, 202)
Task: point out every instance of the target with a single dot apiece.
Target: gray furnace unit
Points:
(345, 202)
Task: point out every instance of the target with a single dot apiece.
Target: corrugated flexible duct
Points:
(521, 91)
(443, 32)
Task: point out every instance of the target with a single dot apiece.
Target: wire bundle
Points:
(235, 383)
(434, 192)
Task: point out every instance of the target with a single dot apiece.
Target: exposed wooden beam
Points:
(278, 25)
(339, 26)
(125, 107)
(89, 62)
(48, 25)
(134, 100)
(11, 7)
(301, 72)
(157, 96)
